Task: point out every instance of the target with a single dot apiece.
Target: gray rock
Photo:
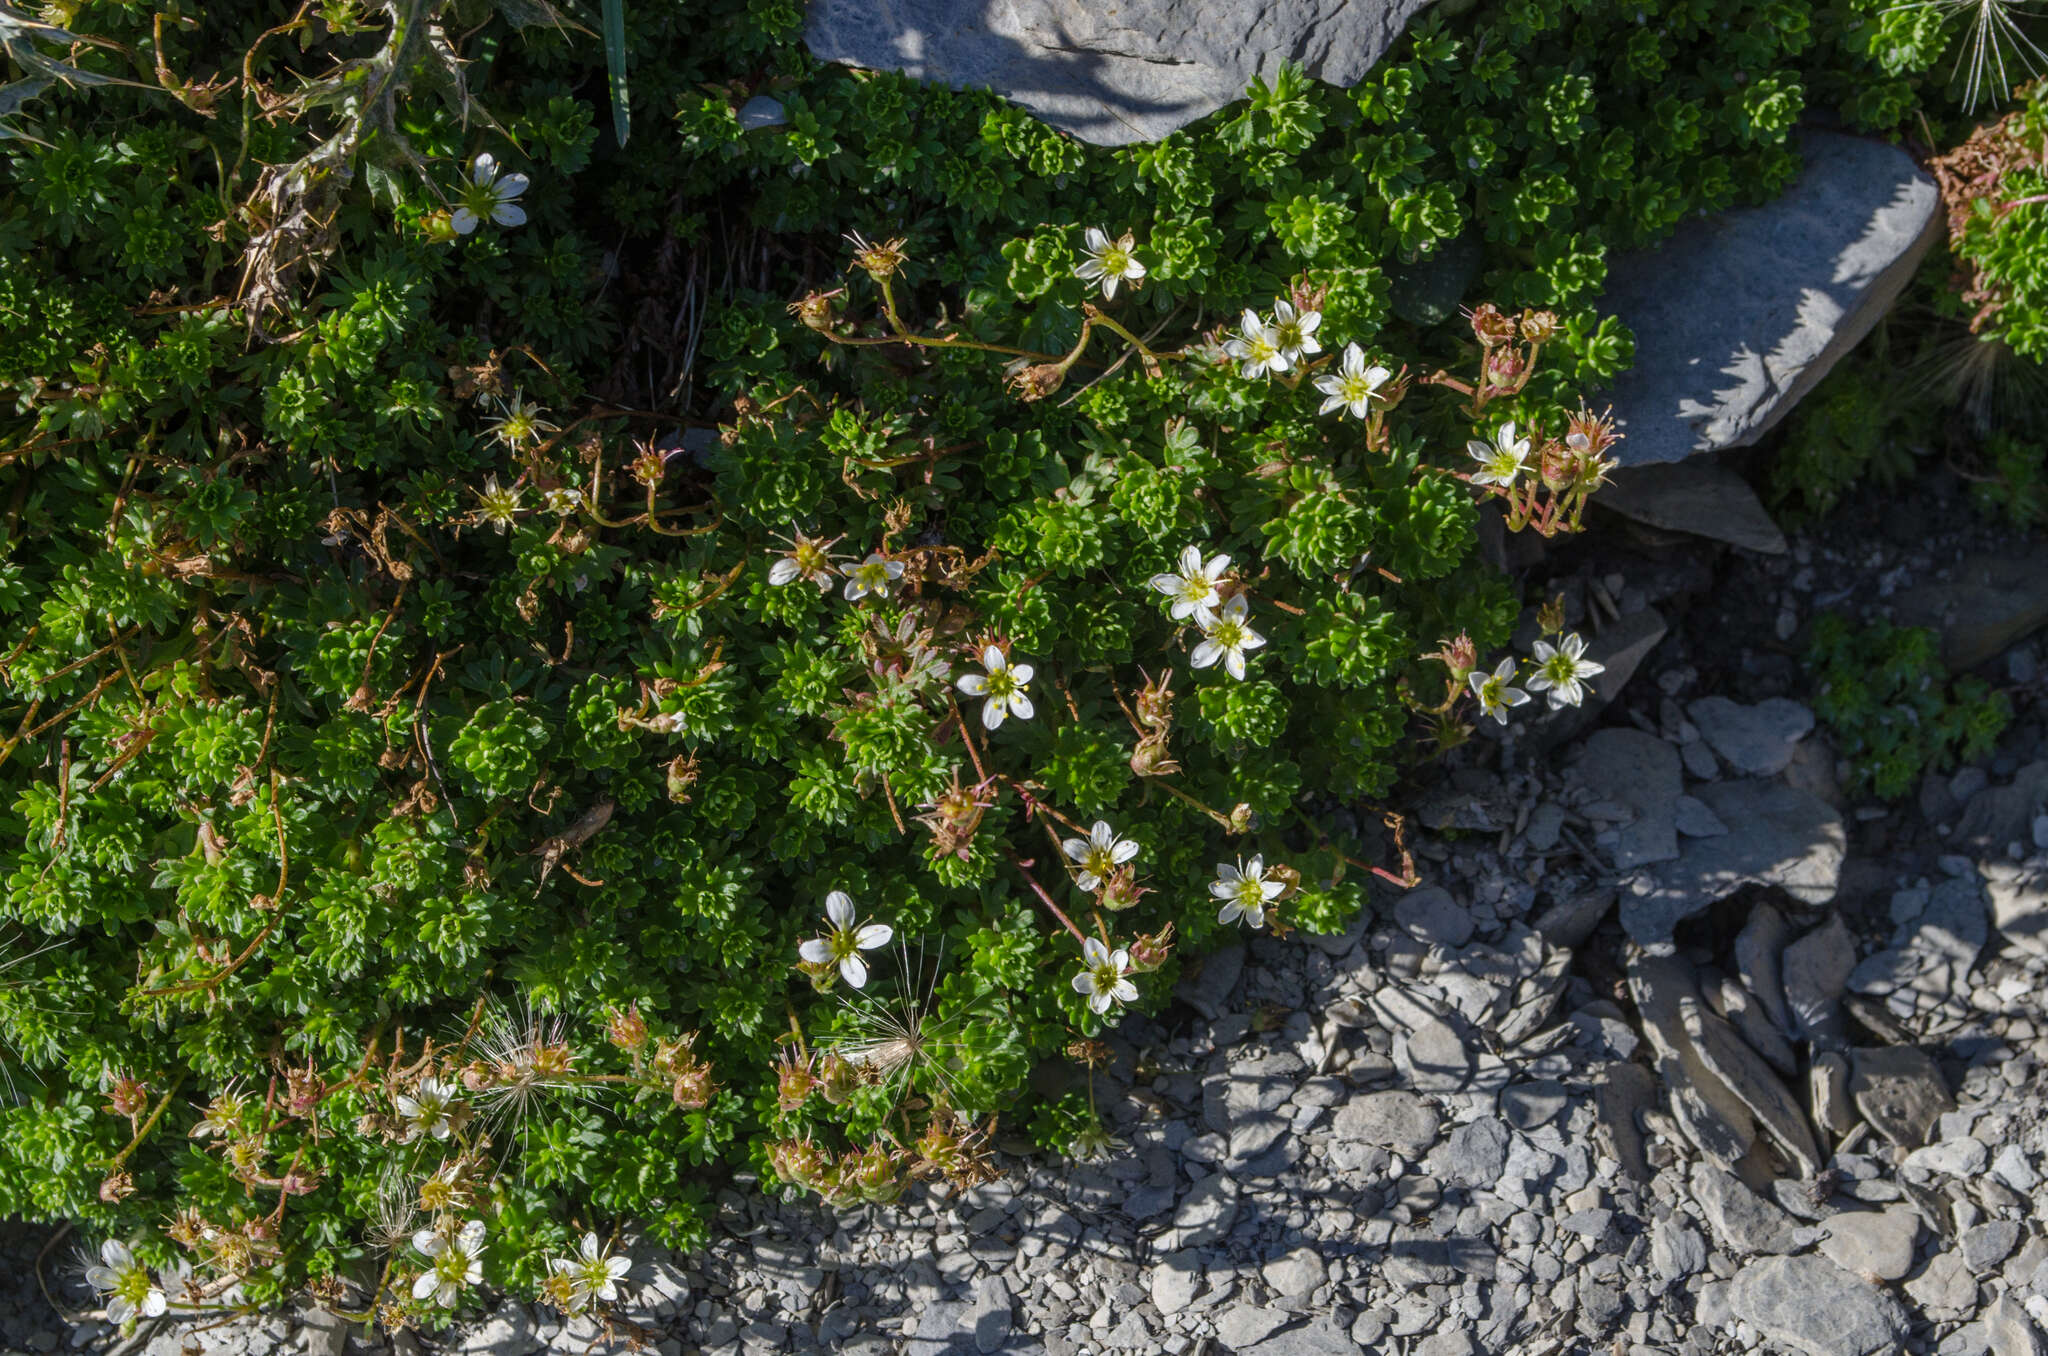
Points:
(1816, 975)
(1701, 497)
(326, 1333)
(1737, 315)
(2009, 1165)
(1109, 75)
(1827, 1084)
(1431, 915)
(1296, 1273)
(1676, 1249)
(1245, 1324)
(1695, 820)
(1389, 1120)
(1813, 1305)
(1205, 1214)
(1642, 772)
(1776, 836)
(1873, 1243)
(1944, 1287)
(1759, 948)
(1959, 1157)
(1320, 1336)
(1572, 919)
(1474, 1155)
(1619, 1100)
(1743, 1012)
(507, 1332)
(1207, 989)
(1755, 739)
(991, 1318)
(1433, 1058)
(1705, 1107)
(1528, 1105)
(1985, 1245)
(2019, 901)
(1746, 1074)
(2010, 1331)
(1175, 1279)
(1899, 1091)
(762, 112)
(1986, 604)
(1744, 1221)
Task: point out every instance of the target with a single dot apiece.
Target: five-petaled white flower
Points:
(1256, 348)
(873, 575)
(844, 940)
(1099, 854)
(1562, 670)
(1003, 686)
(593, 1273)
(1294, 332)
(1495, 695)
(1110, 261)
(1245, 891)
(808, 559)
(1227, 637)
(1353, 386)
(1192, 594)
(489, 194)
(126, 1283)
(453, 1263)
(1500, 461)
(1102, 976)
(430, 1110)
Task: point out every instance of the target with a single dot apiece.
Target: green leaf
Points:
(615, 67)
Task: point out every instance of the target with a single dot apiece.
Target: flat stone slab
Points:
(1738, 315)
(1109, 74)
(1701, 498)
(1811, 1305)
(1988, 603)
(1776, 836)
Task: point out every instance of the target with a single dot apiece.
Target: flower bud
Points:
(648, 467)
(1556, 465)
(1539, 327)
(1120, 890)
(627, 1030)
(682, 775)
(837, 1079)
(878, 261)
(1155, 702)
(129, 1097)
(1149, 952)
(1243, 819)
(117, 1187)
(799, 1161)
(1550, 616)
(693, 1087)
(1037, 381)
(872, 1172)
(1489, 326)
(814, 310)
(1152, 758)
(794, 1081)
(1505, 366)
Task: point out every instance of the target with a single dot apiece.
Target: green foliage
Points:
(400, 685)
(1859, 423)
(1893, 710)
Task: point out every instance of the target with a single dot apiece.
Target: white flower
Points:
(1494, 694)
(1110, 261)
(1245, 891)
(1099, 854)
(1562, 670)
(1102, 976)
(563, 500)
(453, 1263)
(1192, 592)
(1003, 686)
(1226, 637)
(489, 194)
(126, 1283)
(844, 941)
(430, 1110)
(873, 575)
(520, 422)
(807, 559)
(1294, 332)
(1353, 386)
(499, 504)
(593, 1273)
(1500, 461)
(1256, 348)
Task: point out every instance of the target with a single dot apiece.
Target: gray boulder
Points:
(1738, 315)
(1811, 1305)
(1109, 74)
